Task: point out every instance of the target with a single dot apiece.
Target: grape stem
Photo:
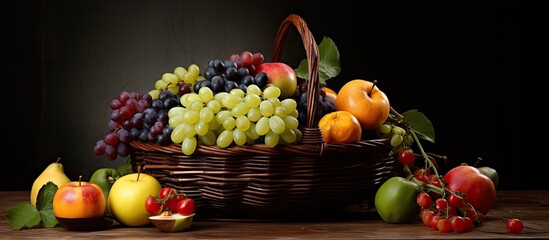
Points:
(428, 161)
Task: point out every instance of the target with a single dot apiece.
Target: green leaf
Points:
(419, 123)
(48, 218)
(329, 65)
(44, 200)
(23, 215)
(125, 168)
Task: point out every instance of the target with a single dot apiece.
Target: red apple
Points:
(79, 199)
(280, 75)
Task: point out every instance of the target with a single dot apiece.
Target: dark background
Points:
(457, 62)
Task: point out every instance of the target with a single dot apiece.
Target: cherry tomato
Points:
(458, 224)
(153, 206)
(171, 195)
(406, 157)
(468, 223)
(427, 216)
(443, 225)
(441, 204)
(455, 201)
(434, 221)
(514, 225)
(424, 200)
(186, 207)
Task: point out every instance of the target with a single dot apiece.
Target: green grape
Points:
(408, 140)
(189, 145)
(221, 115)
(262, 126)
(385, 128)
(239, 137)
(201, 128)
(298, 134)
(288, 136)
(191, 117)
(206, 114)
(176, 111)
(250, 133)
(188, 130)
(183, 100)
(230, 101)
(154, 93)
(237, 92)
(250, 141)
(277, 124)
(178, 134)
(294, 113)
(242, 123)
(170, 79)
(179, 72)
(252, 100)
(220, 95)
(208, 139)
(271, 139)
(160, 85)
(290, 122)
(396, 140)
(214, 105)
(229, 123)
(240, 109)
(200, 78)
(289, 105)
(271, 92)
(192, 97)
(253, 89)
(189, 77)
(280, 111)
(194, 70)
(266, 108)
(225, 138)
(254, 114)
(398, 130)
(214, 125)
(173, 89)
(274, 101)
(197, 106)
(175, 120)
(205, 94)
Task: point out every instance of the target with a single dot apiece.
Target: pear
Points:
(53, 173)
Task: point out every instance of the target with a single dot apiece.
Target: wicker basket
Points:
(262, 182)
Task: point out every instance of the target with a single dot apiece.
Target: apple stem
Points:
(80, 180)
(138, 171)
(479, 159)
(373, 86)
(58, 159)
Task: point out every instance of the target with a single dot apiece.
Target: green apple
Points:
(395, 200)
(105, 178)
(280, 75)
(127, 198)
(491, 173)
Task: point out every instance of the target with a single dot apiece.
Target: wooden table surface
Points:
(532, 207)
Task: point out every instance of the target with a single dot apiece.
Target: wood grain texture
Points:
(356, 222)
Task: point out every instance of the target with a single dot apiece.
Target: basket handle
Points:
(312, 133)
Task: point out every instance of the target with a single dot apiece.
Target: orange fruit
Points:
(331, 95)
(340, 127)
(365, 101)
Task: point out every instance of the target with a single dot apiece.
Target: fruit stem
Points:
(58, 159)
(373, 86)
(80, 180)
(138, 172)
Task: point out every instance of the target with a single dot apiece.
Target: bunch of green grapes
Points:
(399, 138)
(235, 117)
(179, 82)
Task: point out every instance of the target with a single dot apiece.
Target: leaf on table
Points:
(48, 218)
(328, 66)
(23, 215)
(420, 124)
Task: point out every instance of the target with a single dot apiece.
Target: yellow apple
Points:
(127, 198)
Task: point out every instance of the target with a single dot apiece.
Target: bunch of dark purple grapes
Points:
(136, 117)
(325, 104)
(236, 72)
